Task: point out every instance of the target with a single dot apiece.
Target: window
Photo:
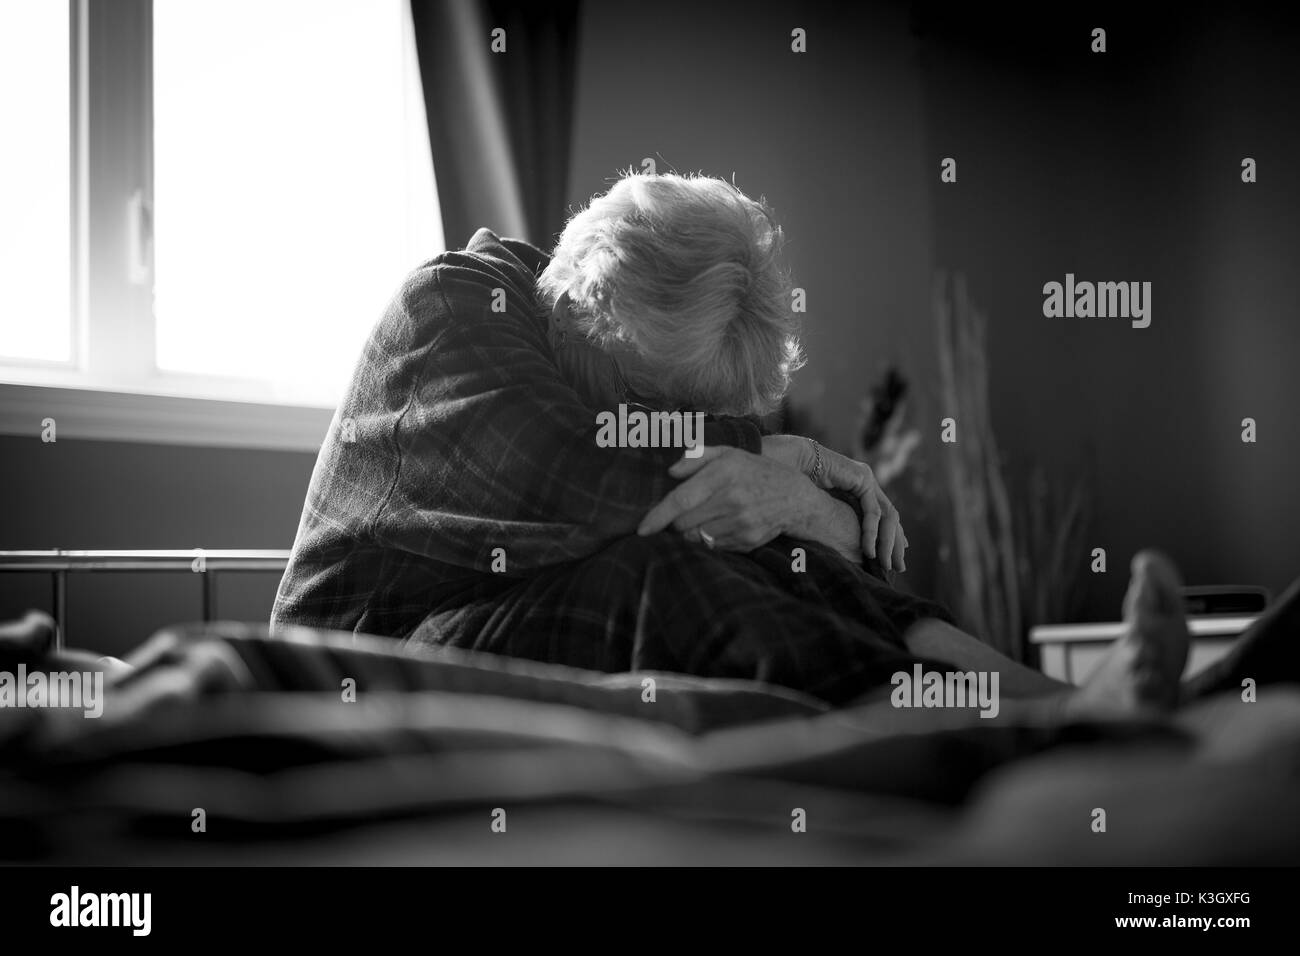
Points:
(257, 182)
(292, 185)
(35, 183)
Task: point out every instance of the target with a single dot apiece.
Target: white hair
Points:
(687, 272)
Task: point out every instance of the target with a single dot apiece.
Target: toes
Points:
(1155, 587)
(1163, 573)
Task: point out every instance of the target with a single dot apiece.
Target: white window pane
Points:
(293, 188)
(35, 181)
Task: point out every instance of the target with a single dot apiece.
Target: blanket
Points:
(225, 745)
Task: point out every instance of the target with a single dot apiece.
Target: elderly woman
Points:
(462, 497)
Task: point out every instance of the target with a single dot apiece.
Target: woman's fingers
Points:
(689, 494)
(685, 467)
(730, 532)
(708, 512)
(722, 532)
(881, 527)
(900, 550)
(889, 527)
(871, 516)
(856, 478)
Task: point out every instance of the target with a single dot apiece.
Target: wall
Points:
(1126, 166)
(90, 495)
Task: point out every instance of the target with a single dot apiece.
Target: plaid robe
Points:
(459, 436)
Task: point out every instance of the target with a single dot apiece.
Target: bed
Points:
(229, 745)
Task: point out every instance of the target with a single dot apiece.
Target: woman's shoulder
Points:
(490, 273)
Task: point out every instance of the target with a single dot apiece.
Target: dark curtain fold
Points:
(499, 123)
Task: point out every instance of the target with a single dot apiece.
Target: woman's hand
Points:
(882, 531)
(736, 501)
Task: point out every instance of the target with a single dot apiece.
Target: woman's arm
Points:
(739, 501)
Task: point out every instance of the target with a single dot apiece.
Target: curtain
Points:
(499, 122)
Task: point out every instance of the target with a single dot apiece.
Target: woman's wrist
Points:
(790, 450)
(840, 528)
(829, 521)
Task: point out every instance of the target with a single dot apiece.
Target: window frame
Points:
(113, 325)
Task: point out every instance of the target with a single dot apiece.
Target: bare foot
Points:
(1141, 670)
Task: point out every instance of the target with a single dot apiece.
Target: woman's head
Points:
(680, 279)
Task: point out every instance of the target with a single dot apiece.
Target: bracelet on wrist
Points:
(819, 466)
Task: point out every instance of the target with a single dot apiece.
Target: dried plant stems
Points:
(983, 526)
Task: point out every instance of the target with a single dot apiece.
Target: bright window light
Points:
(293, 186)
(35, 182)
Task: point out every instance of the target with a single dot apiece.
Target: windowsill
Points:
(102, 415)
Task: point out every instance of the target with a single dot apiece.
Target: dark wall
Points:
(1116, 166)
(88, 495)
(1127, 166)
